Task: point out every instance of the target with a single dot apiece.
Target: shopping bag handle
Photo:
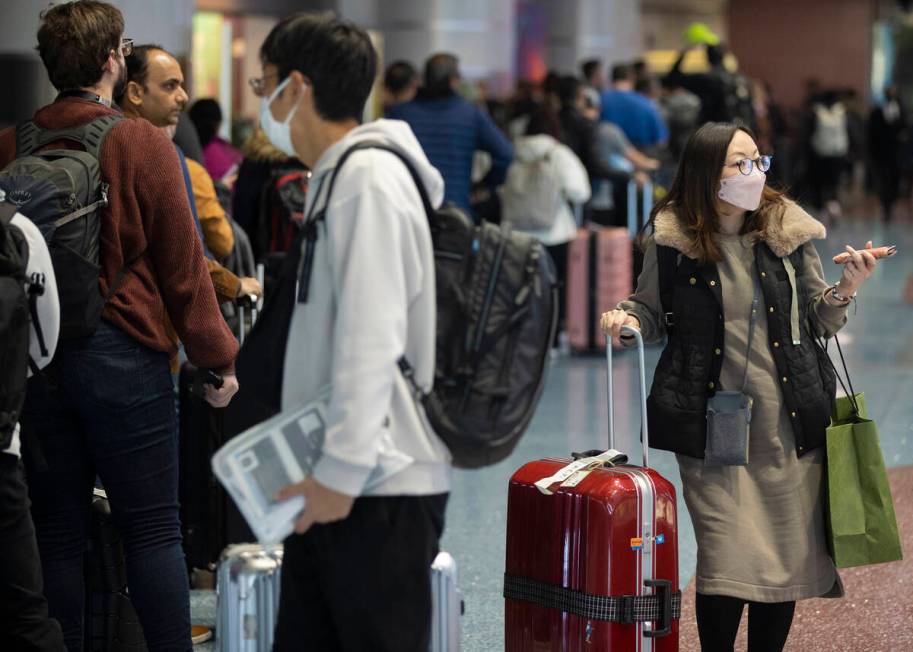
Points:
(645, 439)
(850, 393)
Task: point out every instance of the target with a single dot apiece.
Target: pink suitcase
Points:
(599, 275)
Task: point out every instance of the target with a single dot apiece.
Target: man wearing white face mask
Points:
(356, 573)
(732, 277)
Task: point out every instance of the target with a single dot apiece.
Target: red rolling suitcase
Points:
(592, 553)
(598, 277)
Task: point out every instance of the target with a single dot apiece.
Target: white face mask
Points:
(278, 133)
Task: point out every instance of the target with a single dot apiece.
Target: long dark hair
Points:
(693, 195)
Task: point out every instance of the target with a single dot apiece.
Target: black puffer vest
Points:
(688, 372)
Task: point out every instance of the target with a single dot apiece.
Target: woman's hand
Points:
(856, 270)
(612, 322)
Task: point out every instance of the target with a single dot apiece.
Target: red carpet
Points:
(875, 616)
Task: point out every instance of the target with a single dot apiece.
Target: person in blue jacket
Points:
(451, 130)
(637, 116)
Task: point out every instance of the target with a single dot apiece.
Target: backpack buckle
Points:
(37, 283)
(669, 319)
(103, 190)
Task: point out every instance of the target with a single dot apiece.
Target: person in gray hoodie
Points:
(356, 574)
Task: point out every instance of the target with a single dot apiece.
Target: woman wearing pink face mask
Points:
(732, 278)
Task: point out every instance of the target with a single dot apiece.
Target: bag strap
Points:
(667, 267)
(851, 394)
(37, 284)
(752, 322)
(848, 386)
(30, 137)
(85, 210)
(317, 215)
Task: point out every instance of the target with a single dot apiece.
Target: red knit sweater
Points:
(147, 227)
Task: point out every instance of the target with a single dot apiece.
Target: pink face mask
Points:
(743, 190)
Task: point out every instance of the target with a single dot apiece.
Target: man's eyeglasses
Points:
(746, 165)
(258, 84)
(126, 46)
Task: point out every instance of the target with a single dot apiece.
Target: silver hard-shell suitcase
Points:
(247, 597)
(249, 578)
(446, 605)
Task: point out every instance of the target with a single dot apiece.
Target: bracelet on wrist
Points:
(839, 297)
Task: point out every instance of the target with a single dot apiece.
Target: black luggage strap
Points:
(625, 609)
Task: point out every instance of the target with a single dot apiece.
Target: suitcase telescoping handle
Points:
(261, 279)
(635, 225)
(630, 330)
(243, 303)
(205, 377)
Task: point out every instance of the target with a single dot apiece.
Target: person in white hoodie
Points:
(24, 620)
(563, 174)
(356, 575)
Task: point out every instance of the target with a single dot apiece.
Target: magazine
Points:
(284, 450)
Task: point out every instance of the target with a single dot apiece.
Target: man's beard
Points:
(120, 86)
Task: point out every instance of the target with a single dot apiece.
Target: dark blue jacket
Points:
(450, 130)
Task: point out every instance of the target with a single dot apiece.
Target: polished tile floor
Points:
(572, 416)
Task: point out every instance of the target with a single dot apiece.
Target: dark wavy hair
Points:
(75, 40)
(693, 195)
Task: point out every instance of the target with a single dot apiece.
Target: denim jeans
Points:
(106, 406)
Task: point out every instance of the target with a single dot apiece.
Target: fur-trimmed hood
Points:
(787, 230)
(258, 148)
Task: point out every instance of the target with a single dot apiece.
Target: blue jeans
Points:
(106, 407)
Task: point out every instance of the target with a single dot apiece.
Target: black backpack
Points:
(281, 204)
(62, 192)
(497, 311)
(18, 296)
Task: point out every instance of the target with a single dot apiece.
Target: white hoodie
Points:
(371, 300)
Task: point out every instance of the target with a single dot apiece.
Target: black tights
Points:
(718, 618)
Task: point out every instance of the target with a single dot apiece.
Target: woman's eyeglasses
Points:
(746, 165)
(126, 46)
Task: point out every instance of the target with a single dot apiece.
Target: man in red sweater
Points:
(106, 405)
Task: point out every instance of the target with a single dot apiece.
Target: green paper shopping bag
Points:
(862, 527)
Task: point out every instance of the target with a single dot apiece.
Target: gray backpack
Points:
(62, 192)
(531, 195)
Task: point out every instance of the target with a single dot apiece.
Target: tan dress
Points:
(759, 528)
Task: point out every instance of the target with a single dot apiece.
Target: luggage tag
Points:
(572, 474)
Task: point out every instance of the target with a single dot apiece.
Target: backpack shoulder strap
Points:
(667, 266)
(320, 214)
(91, 135)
